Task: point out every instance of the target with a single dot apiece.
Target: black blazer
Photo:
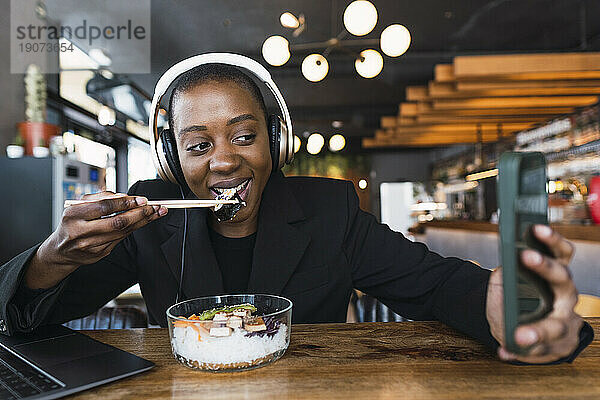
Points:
(314, 245)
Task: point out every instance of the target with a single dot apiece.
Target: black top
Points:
(234, 256)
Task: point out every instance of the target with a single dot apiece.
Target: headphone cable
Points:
(182, 248)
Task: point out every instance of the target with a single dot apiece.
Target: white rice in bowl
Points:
(234, 351)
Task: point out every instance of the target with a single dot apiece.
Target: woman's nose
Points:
(224, 160)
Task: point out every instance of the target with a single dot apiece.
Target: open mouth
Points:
(228, 192)
(226, 212)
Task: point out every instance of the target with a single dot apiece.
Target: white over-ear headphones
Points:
(164, 148)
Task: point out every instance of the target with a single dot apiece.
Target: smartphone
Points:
(523, 203)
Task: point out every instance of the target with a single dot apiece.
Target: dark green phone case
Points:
(523, 202)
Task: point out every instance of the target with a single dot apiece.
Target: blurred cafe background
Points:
(413, 101)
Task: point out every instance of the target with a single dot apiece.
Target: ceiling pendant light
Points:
(315, 143)
(395, 40)
(297, 143)
(360, 17)
(315, 67)
(276, 50)
(337, 142)
(289, 20)
(369, 64)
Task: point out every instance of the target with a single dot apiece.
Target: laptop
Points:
(55, 361)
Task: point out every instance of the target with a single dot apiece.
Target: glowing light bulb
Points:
(369, 64)
(297, 143)
(395, 40)
(289, 20)
(276, 50)
(315, 67)
(337, 142)
(362, 184)
(315, 143)
(360, 17)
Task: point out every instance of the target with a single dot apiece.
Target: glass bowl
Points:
(233, 339)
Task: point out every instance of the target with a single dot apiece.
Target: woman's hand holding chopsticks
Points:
(88, 232)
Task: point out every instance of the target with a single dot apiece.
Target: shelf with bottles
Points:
(575, 134)
(567, 200)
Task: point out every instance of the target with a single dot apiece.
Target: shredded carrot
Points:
(197, 327)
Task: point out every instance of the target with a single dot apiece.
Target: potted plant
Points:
(35, 131)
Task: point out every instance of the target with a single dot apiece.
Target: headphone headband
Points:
(167, 79)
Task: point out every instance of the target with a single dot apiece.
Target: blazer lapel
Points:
(201, 275)
(279, 244)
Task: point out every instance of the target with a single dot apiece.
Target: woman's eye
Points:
(199, 147)
(245, 139)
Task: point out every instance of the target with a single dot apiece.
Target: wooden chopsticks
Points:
(166, 203)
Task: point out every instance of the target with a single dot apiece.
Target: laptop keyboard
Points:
(19, 379)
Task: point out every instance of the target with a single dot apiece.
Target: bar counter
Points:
(413, 360)
(479, 241)
(570, 232)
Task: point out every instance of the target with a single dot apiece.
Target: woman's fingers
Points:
(109, 235)
(556, 335)
(89, 231)
(548, 268)
(557, 276)
(547, 330)
(552, 339)
(562, 249)
(103, 207)
(122, 224)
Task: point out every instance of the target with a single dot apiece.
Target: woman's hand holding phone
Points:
(557, 334)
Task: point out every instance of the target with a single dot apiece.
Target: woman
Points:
(304, 238)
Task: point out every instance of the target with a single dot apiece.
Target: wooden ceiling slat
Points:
(426, 142)
(407, 120)
(485, 97)
(427, 110)
(429, 119)
(518, 64)
(492, 85)
(514, 102)
(445, 93)
(538, 76)
(498, 111)
(408, 109)
(439, 89)
(384, 135)
(450, 128)
(424, 107)
(444, 73)
(389, 122)
(416, 93)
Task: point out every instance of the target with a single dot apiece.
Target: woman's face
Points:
(222, 142)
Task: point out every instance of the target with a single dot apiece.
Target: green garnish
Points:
(209, 314)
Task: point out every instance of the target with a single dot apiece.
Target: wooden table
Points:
(409, 360)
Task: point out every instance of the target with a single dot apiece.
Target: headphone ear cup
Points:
(172, 157)
(274, 140)
(286, 145)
